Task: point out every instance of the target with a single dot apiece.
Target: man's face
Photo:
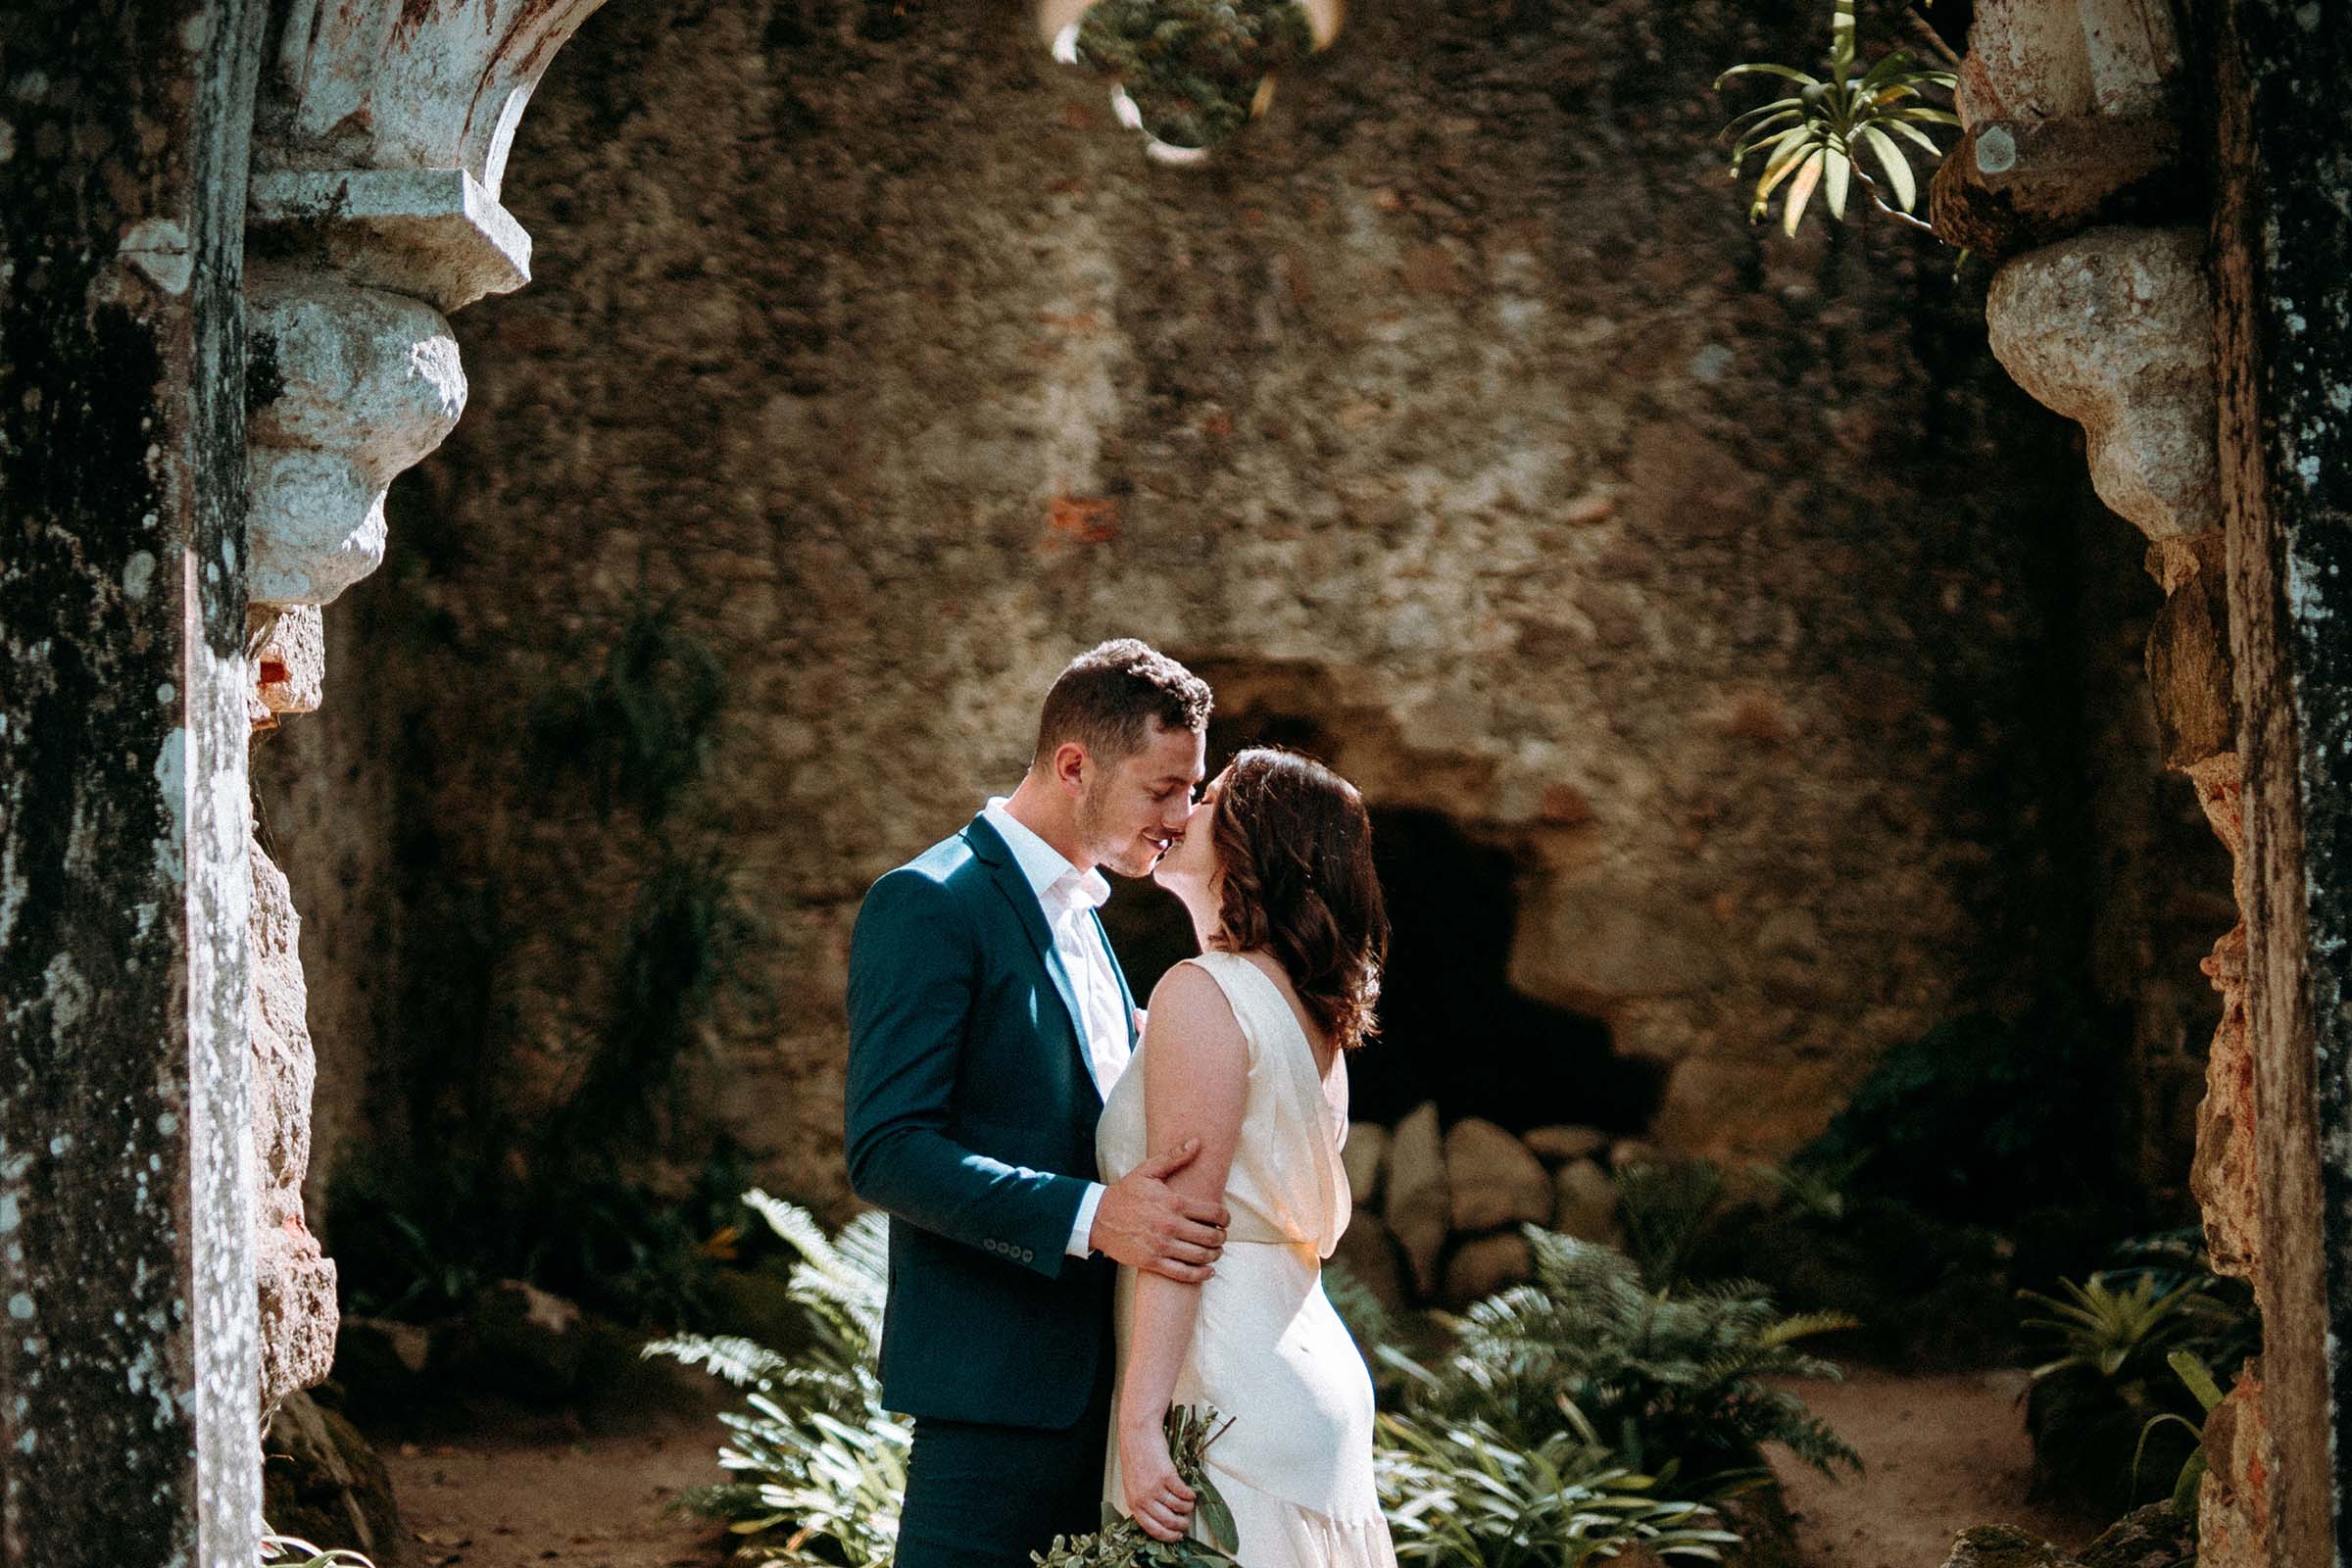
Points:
(1132, 809)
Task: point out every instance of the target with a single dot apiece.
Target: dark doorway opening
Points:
(1453, 1029)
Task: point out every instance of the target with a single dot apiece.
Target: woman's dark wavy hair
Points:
(1295, 854)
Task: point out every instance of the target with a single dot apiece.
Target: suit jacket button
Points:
(1027, 1257)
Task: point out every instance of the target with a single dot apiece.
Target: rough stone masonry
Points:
(1726, 585)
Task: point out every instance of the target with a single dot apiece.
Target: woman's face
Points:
(1193, 863)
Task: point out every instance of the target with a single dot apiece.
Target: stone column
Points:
(2210, 375)
(380, 144)
(2282, 267)
(128, 1361)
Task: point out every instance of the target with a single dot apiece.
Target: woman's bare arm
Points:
(1196, 1086)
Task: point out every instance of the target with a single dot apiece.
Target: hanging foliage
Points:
(1192, 73)
(1816, 138)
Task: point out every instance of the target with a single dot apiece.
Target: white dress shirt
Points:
(1068, 897)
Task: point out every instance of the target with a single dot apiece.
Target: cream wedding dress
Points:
(1267, 1350)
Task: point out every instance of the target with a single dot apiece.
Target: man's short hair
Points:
(1109, 696)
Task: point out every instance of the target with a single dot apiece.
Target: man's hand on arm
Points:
(1147, 1224)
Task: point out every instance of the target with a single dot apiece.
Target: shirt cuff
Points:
(1083, 1228)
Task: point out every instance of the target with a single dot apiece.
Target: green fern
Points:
(846, 1280)
(1663, 1208)
(1663, 1378)
(824, 1464)
(737, 1361)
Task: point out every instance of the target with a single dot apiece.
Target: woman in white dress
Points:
(1245, 1050)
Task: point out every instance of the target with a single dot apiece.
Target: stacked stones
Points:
(1438, 1211)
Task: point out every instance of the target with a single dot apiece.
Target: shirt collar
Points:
(1056, 883)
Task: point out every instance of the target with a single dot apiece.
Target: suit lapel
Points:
(990, 846)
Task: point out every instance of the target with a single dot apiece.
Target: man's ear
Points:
(1071, 762)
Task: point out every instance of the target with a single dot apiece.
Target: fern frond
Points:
(738, 1360)
(1804, 1325)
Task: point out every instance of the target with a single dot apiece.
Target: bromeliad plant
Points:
(2119, 1407)
(1121, 1542)
(1815, 136)
(2103, 1329)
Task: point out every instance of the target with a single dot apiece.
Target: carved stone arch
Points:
(408, 83)
(382, 130)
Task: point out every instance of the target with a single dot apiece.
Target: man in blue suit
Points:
(988, 1019)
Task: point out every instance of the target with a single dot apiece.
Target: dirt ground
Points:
(524, 1492)
(1941, 1453)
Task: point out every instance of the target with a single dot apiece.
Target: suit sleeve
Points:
(914, 970)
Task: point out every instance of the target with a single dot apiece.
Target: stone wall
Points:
(1725, 586)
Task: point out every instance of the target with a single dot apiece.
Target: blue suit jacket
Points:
(970, 1119)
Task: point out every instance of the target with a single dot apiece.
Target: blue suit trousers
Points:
(981, 1495)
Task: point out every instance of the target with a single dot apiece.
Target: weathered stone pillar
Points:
(2282, 267)
(154, 1091)
(2216, 419)
(128, 1361)
(380, 143)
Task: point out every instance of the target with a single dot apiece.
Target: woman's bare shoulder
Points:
(1190, 1008)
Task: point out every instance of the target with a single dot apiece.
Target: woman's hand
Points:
(1156, 1497)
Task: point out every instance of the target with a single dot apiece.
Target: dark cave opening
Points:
(1453, 1029)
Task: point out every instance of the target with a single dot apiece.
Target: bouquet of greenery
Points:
(1121, 1542)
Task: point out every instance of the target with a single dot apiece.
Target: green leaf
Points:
(1898, 167)
(1789, 73)
(1912, 132)
(1772, 144)
(1891, 64)
(2185, 1490)
(1774, 107)
(1217, 1520)
(1748, 136)
(2192, 1371)
(1800, 190)
(1782, 165)
(1840, 169)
